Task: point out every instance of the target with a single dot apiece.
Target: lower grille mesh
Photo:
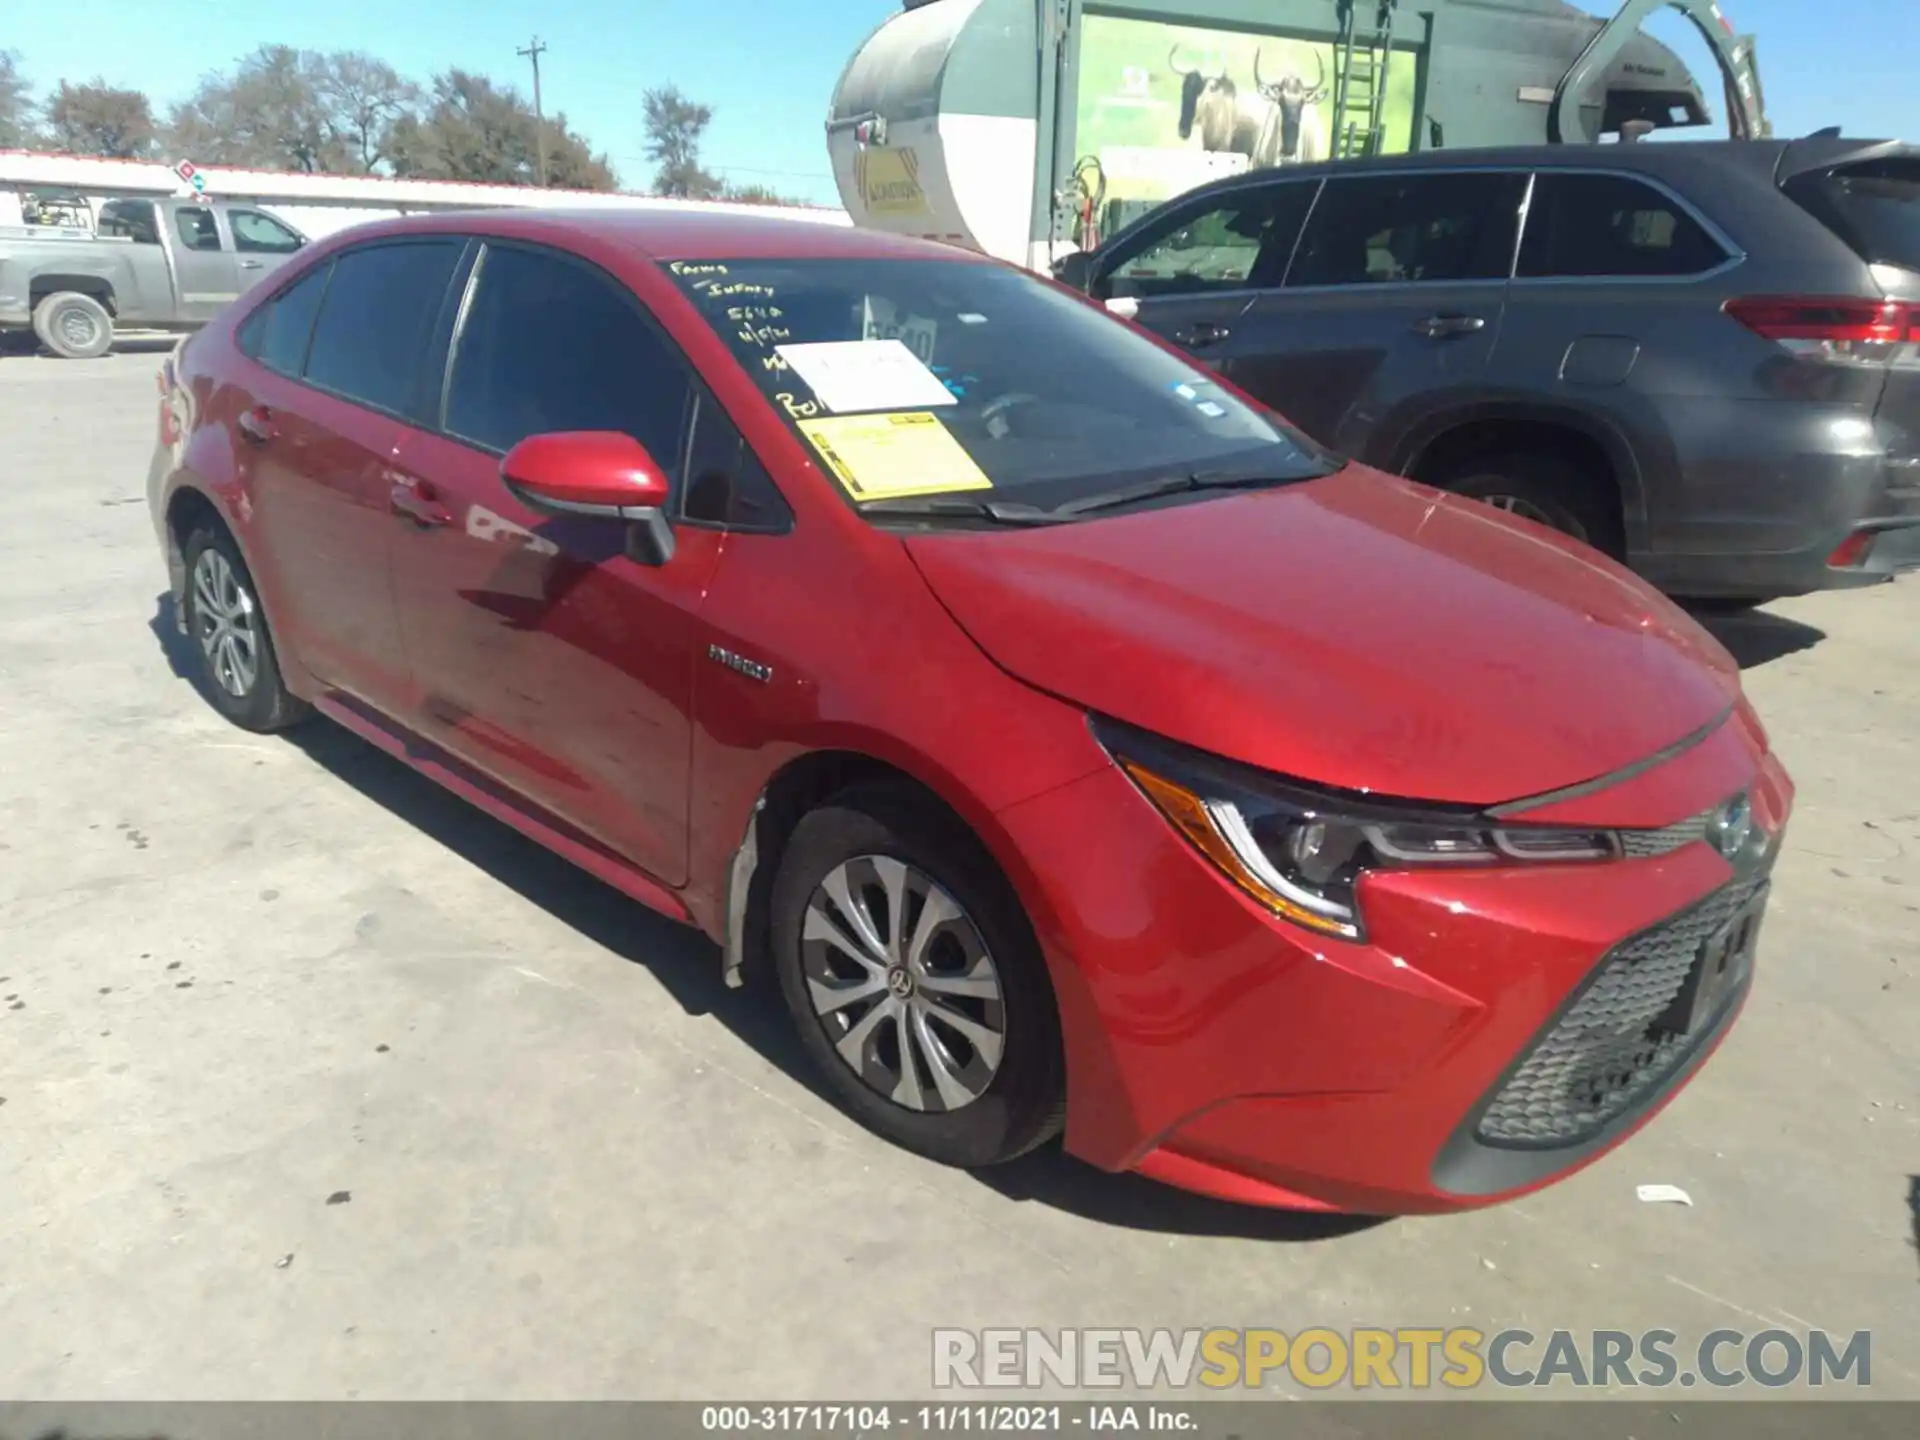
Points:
(1604, 1056)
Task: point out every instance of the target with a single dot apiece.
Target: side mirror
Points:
(595, 472)
(1075, 270)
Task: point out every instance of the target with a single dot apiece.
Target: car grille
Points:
(1603, 1056)
(1644, 844)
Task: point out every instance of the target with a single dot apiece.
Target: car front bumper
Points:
(1491, 1035)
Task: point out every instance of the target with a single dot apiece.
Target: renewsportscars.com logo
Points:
(1456, 1358)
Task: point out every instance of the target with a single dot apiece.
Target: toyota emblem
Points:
(1732, 826)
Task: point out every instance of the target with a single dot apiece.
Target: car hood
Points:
(1358, 631)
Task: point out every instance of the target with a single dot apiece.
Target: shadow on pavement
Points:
(687, 965)
(22, 344)
(1913, 1207)
(1756, 637)
(1052, 1177)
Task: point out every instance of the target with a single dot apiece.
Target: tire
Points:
(73, 326)
(235, 664)
(969, 1109)
(1545, 489)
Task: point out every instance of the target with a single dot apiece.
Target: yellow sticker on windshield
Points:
(878, 457)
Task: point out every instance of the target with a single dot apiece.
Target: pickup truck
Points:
(147, 265)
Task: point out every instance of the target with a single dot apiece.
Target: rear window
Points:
(1874, 207)
(1582, 225)
(277, 333)
(367, 343)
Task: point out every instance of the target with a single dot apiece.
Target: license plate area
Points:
(1719, 970)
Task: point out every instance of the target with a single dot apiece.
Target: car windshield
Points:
(983, 386)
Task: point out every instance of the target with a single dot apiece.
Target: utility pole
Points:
(533, 52)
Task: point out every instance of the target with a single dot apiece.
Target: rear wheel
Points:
(73, 326)
(1545, 489)
(915, 981)
(239, 672)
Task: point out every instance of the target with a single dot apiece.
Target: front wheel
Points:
(1545, 489)
(915, 981)
(73, 326)
(239, 672)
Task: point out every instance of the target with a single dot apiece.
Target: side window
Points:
(548, 344)
(725, 482)
(1244, 241)
(277, 333)
(257, 234)
(1408, 229)
(368, 339)
(1592, 225)
(197, 228)
(130, 220)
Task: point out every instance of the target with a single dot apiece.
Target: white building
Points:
(318, 205)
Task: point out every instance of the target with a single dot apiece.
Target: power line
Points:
(533, 52)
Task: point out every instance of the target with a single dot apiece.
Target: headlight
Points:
(1301, 854)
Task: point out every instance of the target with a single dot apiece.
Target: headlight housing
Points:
(1301, 854)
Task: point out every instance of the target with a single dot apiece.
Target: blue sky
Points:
(768, 67)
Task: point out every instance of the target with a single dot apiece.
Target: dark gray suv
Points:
(1702, 358)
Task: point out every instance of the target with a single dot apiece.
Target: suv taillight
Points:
(1846, 331)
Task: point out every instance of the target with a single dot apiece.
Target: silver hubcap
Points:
(225, 624)
(78, 328)
(1527, 510)
(903, 984)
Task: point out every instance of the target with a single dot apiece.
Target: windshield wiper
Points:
(1174, 484)
(940, 507)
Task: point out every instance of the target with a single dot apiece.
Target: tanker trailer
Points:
(1029, 128)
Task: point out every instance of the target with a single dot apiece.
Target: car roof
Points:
(690, 234)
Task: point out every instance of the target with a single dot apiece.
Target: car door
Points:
(205, 276)
(1391, 306)
(1190, 275)
(542, 654)
(261, 244)
(1609, 318)
(323, 422)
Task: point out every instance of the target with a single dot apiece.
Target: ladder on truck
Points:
(1361, 58)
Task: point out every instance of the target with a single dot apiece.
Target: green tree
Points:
(757, 195)
(99, 119)
(473, 129)
(17, 112)
(675, 126)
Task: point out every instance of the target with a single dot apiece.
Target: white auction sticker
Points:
(848, 376)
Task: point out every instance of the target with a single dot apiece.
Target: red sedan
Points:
(1074, 743)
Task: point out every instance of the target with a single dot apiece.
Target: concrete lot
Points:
(319, 1084)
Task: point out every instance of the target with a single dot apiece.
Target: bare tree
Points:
(675, 125)
(98, 119)
(268, 114)
(366, 98)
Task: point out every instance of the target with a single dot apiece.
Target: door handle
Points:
(257, 425)
(411, 499)
(249, 264)
(1200, 334)
(1441, 327)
